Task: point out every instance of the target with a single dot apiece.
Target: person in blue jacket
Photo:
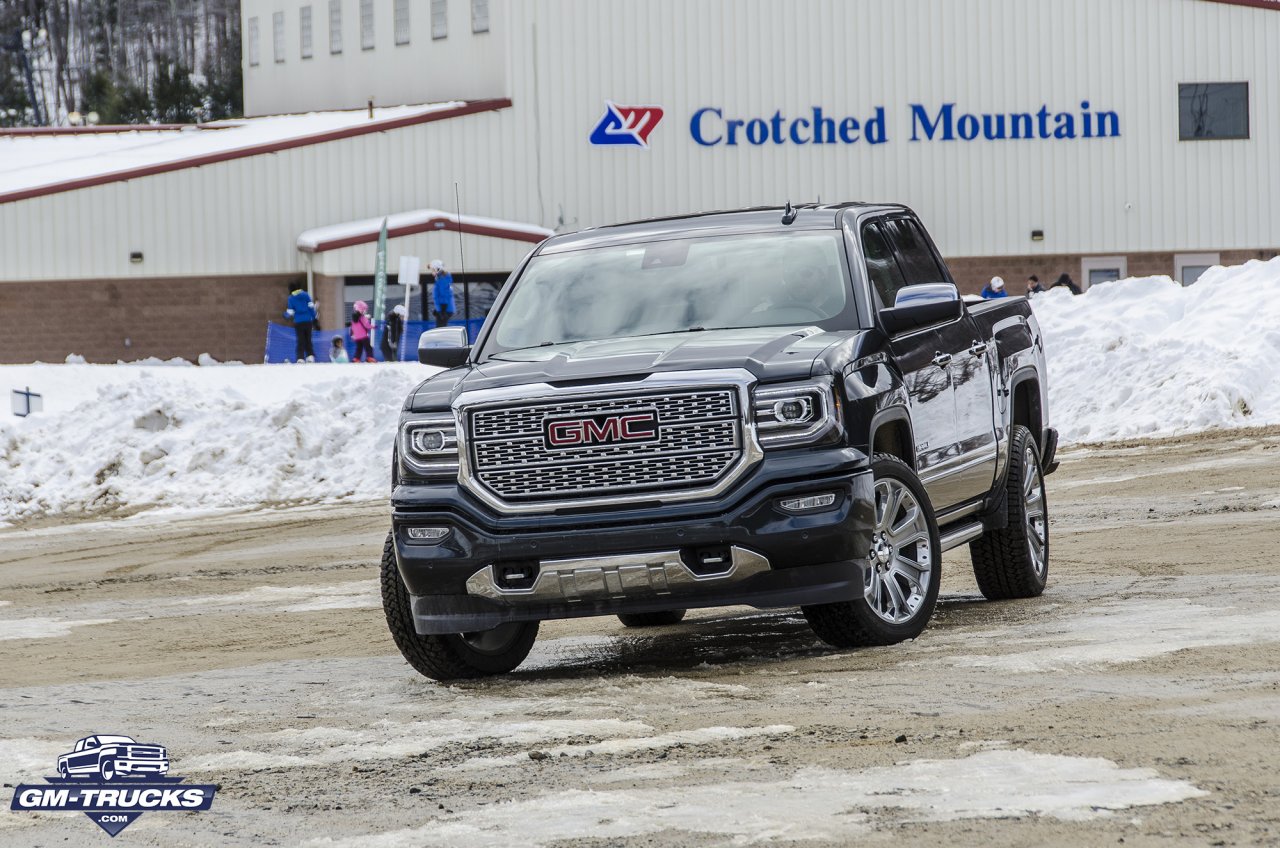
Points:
(994, 289)
(442, 293)
(302, 309)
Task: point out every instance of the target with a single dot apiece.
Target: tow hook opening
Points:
(515, 575)
(708, 559)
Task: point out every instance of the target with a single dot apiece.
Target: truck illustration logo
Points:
(109, 757)
(639, 426)
(113, 779)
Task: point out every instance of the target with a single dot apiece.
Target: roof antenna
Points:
(789, 214)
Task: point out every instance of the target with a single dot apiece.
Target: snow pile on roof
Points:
(120, 438)
(30, 161)
(1148, 357)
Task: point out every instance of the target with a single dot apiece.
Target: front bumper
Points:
(740, 549)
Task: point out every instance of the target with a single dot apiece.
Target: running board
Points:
(962, 534)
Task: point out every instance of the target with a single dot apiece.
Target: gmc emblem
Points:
(639, 426)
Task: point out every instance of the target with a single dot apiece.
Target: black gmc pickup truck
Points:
(773, 407)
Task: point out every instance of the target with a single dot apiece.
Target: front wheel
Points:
(900, 584)
(451, 656)
(108, 769)
(1013, 562)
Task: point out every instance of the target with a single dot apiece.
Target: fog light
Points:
(426, 534)
(808, 503)
(796, 410)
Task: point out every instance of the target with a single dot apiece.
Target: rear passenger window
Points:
(882, 269)
(918, 263)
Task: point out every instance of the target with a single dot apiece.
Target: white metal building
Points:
(1094, 137)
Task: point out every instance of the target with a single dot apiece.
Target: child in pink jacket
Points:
(362, 333)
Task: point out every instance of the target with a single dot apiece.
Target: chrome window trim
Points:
(739, 380)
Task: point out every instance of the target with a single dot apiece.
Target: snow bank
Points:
(129, 437)
(1147, 357)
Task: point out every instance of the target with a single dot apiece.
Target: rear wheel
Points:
(651, 619)
(449, 656)
(900, 586)
(1013, 562)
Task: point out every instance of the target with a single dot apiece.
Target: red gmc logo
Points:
(641, 426)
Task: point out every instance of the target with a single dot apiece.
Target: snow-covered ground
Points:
(1138, 357)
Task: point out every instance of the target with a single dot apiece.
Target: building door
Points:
(1187, 267)
(1102, 269)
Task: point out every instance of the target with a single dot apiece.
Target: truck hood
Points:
(770, 354)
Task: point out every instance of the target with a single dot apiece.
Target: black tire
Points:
(107, 768)
(651, 619)
(451, 656)
(851, 624)
(1005, 561)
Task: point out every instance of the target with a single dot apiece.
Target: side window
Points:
(918, 264)
(882, 269)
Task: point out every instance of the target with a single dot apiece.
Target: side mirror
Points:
(445, 347)
(920, 306)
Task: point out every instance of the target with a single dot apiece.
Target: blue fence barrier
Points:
(282, 341)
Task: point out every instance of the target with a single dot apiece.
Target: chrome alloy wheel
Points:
(901, 554)
(1033, 503)
(494, 641)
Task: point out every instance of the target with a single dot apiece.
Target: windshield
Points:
(111, 740)
(758, 280)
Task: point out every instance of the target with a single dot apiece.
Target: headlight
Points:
(429, 445)
(796, 414)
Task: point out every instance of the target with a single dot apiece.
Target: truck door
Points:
(928, 382)
(968, 471)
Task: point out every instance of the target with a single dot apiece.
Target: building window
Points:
(1187, 267)
(479, 15)
(335, 26)
(402, 21)
(304, 31)
(277, 36)
(366, 24)
(439, 18)
(253, 42)
(1102, 269)
(1218, 110)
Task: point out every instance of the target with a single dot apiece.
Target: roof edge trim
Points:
(469, 108)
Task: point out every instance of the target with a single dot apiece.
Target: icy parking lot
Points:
(1138, 699)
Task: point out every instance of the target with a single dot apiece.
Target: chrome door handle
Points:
(978, 348)
(942, 360)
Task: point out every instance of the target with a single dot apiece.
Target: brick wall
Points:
(972, 273)
(110, 320)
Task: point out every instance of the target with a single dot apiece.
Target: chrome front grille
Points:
(699, 442)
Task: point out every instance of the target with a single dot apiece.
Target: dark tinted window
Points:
(918, 264)
(1213, 110)
(882, 269)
